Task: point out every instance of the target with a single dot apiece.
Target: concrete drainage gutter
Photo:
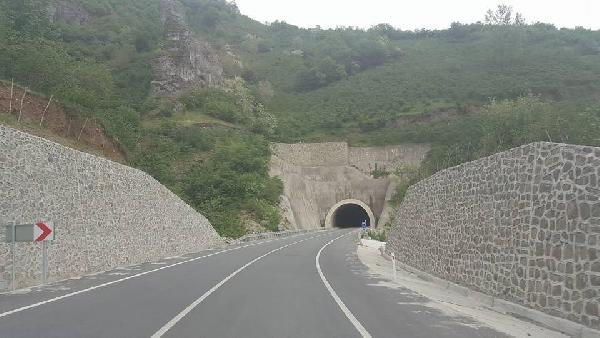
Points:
(564, 326)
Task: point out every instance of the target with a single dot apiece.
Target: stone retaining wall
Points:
(106, 214)
(387, 158)
(522, 225)
(312, 154)
(365, 159)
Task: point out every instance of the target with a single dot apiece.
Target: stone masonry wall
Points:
(106, 214)
(312, 154)
(387, 158)
(522, 225)
(365, 159)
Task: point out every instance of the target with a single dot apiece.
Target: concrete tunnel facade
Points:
(350, 213)
(332, 185)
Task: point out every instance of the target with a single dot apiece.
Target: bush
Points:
(379, 173)
(222, 173)
(214, 102)
(378, 235)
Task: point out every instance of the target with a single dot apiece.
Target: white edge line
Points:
(27, 307)
(197, 302)
(361, 329)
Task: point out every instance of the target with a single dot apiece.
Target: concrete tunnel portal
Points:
(349, 214)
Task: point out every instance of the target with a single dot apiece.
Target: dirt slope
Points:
(58, 124)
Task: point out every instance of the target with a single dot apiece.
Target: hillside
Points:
(28, 112)
(461, 68)
(192, 91)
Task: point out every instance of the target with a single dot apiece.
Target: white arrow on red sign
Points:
(43, 232)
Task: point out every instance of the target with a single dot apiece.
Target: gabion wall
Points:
(522, 225)
(106, 214)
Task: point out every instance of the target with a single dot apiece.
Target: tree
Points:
(265, 90)
(384, 29)
(310, 79)
(333, 71)
(28, 17)
(503, 16)
(519, 19)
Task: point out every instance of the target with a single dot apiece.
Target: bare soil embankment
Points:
(59, 125)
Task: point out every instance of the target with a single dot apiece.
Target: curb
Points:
(559, 324)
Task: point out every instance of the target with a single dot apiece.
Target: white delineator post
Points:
(394, 265)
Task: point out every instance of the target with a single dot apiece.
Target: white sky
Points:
(414, 14)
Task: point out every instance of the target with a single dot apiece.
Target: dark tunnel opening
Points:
(350, 216)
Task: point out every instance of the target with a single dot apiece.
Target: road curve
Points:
(309, 285)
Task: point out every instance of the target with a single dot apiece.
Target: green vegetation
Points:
(501, 125)
(378, 173)
(469, 91)
(506, 124)
(212, 154)
(407, 176)
(377, 235)
(455, 71)
(220, 171)
(291, 58)
(86, 68)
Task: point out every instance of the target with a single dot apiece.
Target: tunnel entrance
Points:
(349, 214)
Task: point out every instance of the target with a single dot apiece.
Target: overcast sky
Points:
(414, 14)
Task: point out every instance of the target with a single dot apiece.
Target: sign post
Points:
(37, 232)
(364, 227)
(14, 254)
(44, 262)
(44, 232)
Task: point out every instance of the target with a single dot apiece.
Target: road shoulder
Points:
(450, 302)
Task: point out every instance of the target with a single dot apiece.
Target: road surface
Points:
(309, 285)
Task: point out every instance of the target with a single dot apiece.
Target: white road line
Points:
(361, 329)
(197, 302)
(134, 276)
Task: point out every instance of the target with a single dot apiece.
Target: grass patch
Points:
(188, 119)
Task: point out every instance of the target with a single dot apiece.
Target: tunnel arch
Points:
(333, 214)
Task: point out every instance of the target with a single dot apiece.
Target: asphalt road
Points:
(309, 285)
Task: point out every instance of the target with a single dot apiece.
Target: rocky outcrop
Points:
(68, 12)
(187, 61)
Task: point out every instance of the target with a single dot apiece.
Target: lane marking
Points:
(52, 300)
(197, 302)
(361, 329)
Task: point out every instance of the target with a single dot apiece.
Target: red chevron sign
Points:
(43, 232)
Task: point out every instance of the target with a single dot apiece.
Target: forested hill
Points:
(192, 90)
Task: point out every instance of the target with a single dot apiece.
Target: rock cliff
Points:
(187, 60)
